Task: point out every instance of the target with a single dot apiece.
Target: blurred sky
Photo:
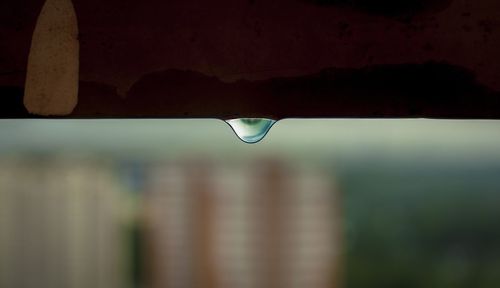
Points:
(296, 138)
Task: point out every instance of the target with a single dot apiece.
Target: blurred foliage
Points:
(410, 225)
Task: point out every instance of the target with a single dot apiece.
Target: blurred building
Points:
(72, 222)
(266, 225)
(60, 224)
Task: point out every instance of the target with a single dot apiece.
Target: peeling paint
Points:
(53, 65)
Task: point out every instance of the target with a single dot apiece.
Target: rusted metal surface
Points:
(277, 59)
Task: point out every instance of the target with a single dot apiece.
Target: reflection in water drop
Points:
(251, 130)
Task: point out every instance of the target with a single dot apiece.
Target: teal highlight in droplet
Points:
(251, 130)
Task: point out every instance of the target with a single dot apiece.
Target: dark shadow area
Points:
(411, 90)
(433, 90)
(390, 8)
(11, 102)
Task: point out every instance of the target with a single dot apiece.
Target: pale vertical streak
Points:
(6, 221)
(108, 244)
(233, 237)
(52, 77)
(312, 228)
(77, 230)
(55, 241)
(271, 191)
(167, 202)
(201, 185)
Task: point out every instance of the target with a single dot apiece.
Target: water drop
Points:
(251, 130)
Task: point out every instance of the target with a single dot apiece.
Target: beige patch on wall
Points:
(53, 64)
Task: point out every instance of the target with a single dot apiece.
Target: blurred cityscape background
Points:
(184, 203)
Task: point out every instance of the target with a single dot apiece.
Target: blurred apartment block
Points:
(59, 224)
(75, 222)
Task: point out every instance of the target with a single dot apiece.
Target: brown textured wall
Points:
(282, 58)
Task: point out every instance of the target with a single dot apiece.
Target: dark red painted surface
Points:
(281, 58)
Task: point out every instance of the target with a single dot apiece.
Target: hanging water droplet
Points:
(251, 130)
